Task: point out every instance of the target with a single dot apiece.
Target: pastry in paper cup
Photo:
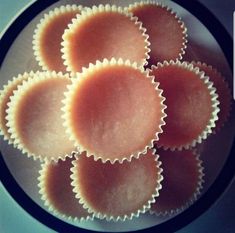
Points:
(113, 110)
(47, 36)
(182, 183)
(56, 191)
(34, 117)
(167, 32)
(101, 32)
(192, 104)
(5, 95)
(117, 191)
(223, 91)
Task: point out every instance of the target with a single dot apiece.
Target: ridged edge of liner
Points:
(90, 12)
(14, 81)
(179, 20)
(214, 99)
(42, 191)
(11, 112)
(143, 210)
(43, 23)
(195, 195)
(216, 130)
(80, 77)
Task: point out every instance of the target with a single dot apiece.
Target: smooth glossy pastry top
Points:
(117, 191)
(167, 34)
(191, 104)
(104, 32)
(48, 37)
(113, 111)
(56, 190)
(34, 117)
(5, 96)
(223, 91)
(182, 183)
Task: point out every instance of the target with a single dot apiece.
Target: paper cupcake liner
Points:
(11, 112)
(99, 215)
(43, 24)
(81, 76)
(48, 204)
(195, 195)
(218, 128)
(89, 12)
(179, 20)
(5, 95)
(214, 99)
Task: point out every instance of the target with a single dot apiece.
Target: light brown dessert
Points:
(223, 91)
(56, 191)
(113, 110)
(182, 183)
(104, 32)
(191, 104)
(116, 191)
(5, 96)
(167, 33)
(48, 36)
(34, 117)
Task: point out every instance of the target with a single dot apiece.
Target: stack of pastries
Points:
(115, 113)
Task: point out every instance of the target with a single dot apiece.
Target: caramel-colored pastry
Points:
(191, 104)
(117, 191)
(34, 117)
(104, 32)
(113, 110)
(5, 96)
(167, 33)
(182, 183)
(48, 36)
(223, 91)
(56, 190)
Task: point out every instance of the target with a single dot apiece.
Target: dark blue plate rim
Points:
(172, 225)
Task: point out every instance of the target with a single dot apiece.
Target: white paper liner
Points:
(179, 20)
(217, 129)
(14, 82)
(81, 76)
(48, 204)
(90, 12)
(194, 196)
(11, 112)
(43, 24)
(214, 99)
(136, 214)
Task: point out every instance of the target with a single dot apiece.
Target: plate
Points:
(20, 173)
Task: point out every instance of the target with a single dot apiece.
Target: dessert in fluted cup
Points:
(117, 191)
(192, 104)
(113, 110)
(34, 117)
(47, 36)
(104, 32)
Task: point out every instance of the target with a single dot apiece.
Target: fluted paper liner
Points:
(44, 22)
(39, 77)
(227, 93)
(46, 200)
(124, 217)
(194, 196)
(5, 95)
(178, 19)
(71, 92)
(90, 12)
(214, 99)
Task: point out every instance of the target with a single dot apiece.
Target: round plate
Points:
(210, 44)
